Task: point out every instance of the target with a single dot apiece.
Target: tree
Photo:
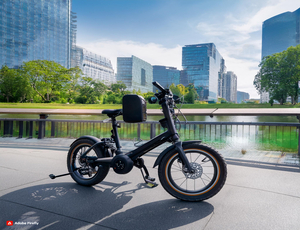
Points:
(90, 91)
(72, 86)
(191, 96)
(279, 75)
(13, 87)
(118, 87)
(46, 77)
(179, 90)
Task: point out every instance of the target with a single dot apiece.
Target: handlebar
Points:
(157, 85)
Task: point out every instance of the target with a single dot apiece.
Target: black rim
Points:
(206, 172)
(77, 166)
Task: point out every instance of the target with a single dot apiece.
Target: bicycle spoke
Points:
(182, 182)
(203, 181)
(177, 166)
(180, 178)
(207, 176)
(197, 158)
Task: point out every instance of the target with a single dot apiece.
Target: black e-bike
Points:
(187, 170)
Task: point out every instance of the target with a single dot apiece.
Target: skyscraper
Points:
(229, 89)
(242, 96)
(94, 66)
(135, 73)
(279, 33)
(202, 65)
(36, 29)
(166, 76)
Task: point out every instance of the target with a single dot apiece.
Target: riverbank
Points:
(149, 106)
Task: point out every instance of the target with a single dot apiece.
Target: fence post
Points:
(52, 128)
(20, 129)
(8, 128)
(42, 126)
(139, 131)
(41, 130)
(152, 130)
(299, 141)
(30, 129)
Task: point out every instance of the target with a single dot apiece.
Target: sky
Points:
(156, 30)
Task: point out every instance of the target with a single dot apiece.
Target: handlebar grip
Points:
(157, 85)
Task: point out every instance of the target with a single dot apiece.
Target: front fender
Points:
(163, 153)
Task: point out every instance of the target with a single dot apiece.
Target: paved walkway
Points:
(261, 195)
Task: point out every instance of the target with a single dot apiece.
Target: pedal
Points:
(150, 183)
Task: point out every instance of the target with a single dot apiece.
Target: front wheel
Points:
(208, 178)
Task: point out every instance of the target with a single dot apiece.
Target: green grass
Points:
(149, 106)
(58, 106)
(228, 106)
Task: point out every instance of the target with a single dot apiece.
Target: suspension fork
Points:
(175, 137)
(182, 156)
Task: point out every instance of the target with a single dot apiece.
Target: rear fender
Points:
(163, 153)
(92, 138)
(97, 143)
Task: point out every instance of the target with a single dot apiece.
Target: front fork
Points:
(175, 138)
(182, 156)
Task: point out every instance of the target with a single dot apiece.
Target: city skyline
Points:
(156, 31)
(45, 31)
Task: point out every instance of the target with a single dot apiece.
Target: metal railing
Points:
(269, 136)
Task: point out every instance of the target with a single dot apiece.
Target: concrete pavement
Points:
(257, 195)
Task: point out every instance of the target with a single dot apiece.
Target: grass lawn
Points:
(57, 106)
(149, 106)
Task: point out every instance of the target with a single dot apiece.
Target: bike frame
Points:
(170, 135)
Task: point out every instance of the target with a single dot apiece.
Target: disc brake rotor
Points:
(198, 170)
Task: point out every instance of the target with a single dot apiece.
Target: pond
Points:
(263, 137)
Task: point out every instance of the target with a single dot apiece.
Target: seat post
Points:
(116, 135)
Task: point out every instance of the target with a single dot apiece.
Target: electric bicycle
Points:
(187, 170)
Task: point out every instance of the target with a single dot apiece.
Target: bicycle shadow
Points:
(70, 206)
(165, 214)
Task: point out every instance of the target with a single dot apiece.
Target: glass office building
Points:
(242, 97)
(229, 87)
(202, 66)
(36, 29)
(280, 32)
(135, 73)
(94, 66)
(166, 76)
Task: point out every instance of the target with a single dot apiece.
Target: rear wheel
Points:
(208, 178)
(82, 172)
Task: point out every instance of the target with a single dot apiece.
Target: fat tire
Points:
(217, 182)
(77, 177)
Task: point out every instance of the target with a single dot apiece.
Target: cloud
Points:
(155, 54)
(274, 7)
(236, 35)
(238, 39)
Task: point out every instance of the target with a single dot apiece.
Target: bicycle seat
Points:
(112, 112)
